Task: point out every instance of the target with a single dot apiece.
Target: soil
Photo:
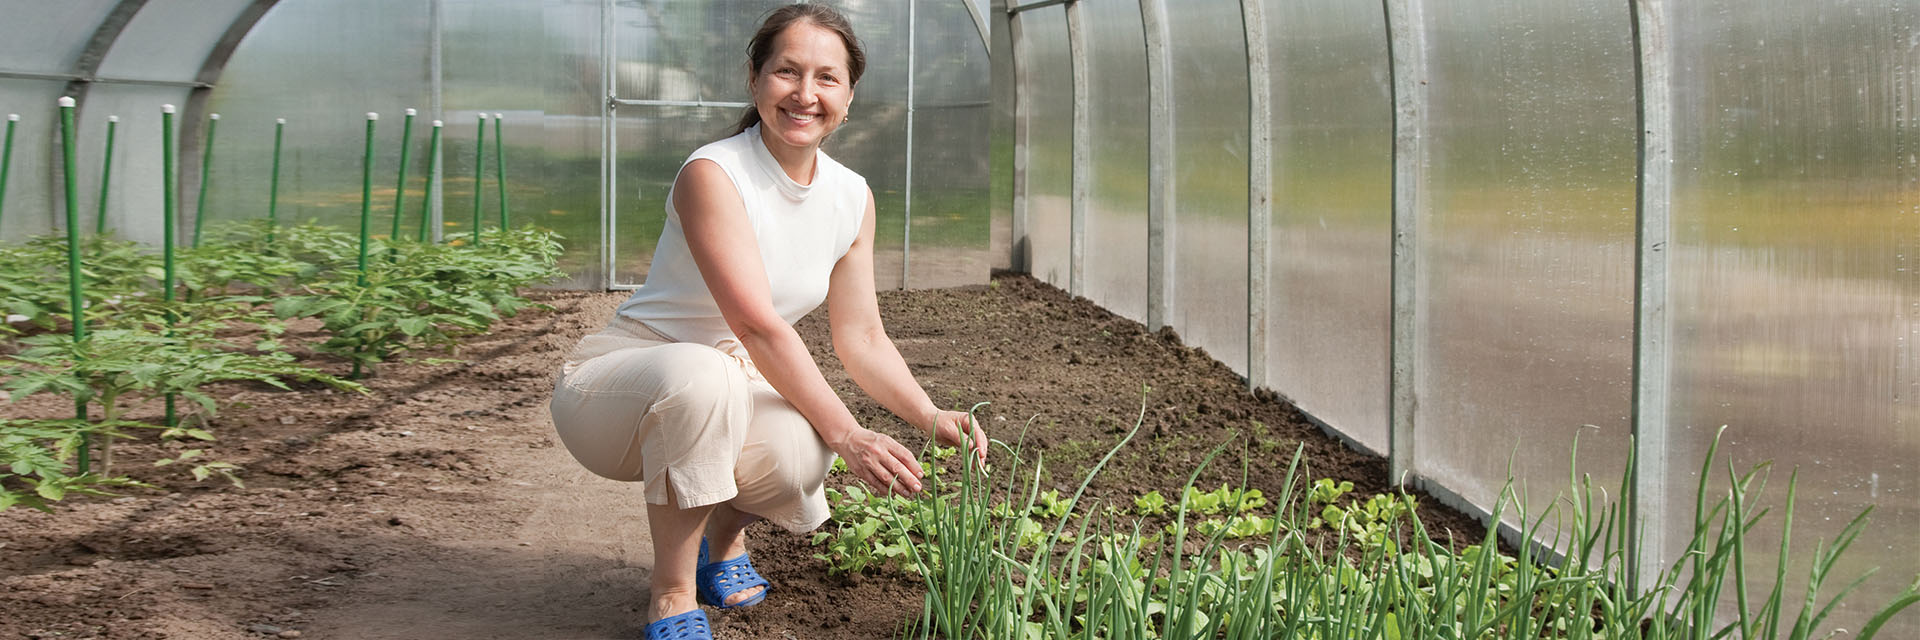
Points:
(439, 505)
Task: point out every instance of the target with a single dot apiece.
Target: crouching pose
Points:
(700, 388)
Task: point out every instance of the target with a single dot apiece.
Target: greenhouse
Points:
(1281, 319)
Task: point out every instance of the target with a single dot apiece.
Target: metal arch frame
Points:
(192, 115)
(1652, 326)
(979, 25)
(1081, 180)
(1160, 188)
(1259, 188)
(1407, 57)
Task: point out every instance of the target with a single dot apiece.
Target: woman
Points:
(700, 387)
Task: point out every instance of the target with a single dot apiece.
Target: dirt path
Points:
(440, 506)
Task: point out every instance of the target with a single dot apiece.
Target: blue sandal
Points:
(716, 581)
(691, 625)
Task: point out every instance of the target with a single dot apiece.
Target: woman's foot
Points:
(691, 625)
(728, 582)
(726, 541)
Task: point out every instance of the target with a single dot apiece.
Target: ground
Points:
(439, 505)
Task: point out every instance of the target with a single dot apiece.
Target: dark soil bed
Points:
(439, 506)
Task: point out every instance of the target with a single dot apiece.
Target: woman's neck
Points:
(798, 163)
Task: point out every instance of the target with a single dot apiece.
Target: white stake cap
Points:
(279, 120)
(499, 117)
(437, 123)
(13, 117)
(166, 108)
(373, 116)
(412, 112)
(213, 116)
(483, 115)
(66, 101)
(113, 118)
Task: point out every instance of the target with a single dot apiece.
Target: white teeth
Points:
(803, 117)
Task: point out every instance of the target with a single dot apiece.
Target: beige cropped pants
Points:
(691, 421)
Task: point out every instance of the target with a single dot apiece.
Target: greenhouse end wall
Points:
(1793, 310)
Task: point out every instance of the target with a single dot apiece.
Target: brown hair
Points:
(820, 15)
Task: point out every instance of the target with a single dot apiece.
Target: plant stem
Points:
(206, 177)
(500, 167)
(479, 173)
(400, 191)
(106, 177)
(74, 285)
(169, 186)
(6, 159)
(273, 189)
(433, 173)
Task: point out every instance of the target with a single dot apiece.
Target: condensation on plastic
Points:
(29, 209)
(685, 50)
(46, 37)
(136, 159)
(1330, 267)
(1048, 85)
(1000, 138)
(1794, 272)
(1527, 244)
(951, 90)
(1116, 249)
(1209, 243)
(295, 64)
(537, 64)
(170, 40)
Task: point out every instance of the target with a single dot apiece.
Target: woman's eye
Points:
(829, 79)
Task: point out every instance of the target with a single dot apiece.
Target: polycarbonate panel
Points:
(1527, 247)
(133, 203)
(1000, 138)
(951, 91)
(653, 142)
(47, 37)
(28, 208)
(1046, 82)
(1794, 275)
(536, 63)
(686, 50)
(1209, 247)
(170, 40)
(1331, 262)
(874, 141)
(1116, 250)
(323, 65)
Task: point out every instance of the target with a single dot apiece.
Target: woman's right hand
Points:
(880, 461)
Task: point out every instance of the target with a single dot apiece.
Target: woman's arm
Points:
(861, 341)
(723, 246)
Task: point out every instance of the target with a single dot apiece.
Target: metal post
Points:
(273, 185)
(1259, 188)
(1082, 152)
(400, 189)
(1022, 157)
(479, 175)
(436, 82)
(1160, 192)
(906, 218)
(1652, 327)
(608, 144)
(206, 178)
(1407, 52)
(106, 178)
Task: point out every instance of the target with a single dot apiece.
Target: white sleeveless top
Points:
(802, 231)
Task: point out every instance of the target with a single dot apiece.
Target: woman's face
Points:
(803, 91)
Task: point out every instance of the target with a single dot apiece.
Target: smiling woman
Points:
(700, 388)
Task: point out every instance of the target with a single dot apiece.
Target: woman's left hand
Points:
(958, 429)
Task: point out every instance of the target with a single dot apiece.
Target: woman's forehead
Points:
(809, 42)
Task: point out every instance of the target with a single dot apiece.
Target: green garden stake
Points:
(6, 158)
(75, 300)
(206, 177)
(366, 199)
(433, 171)
(500, 167)
(106, 177)
(479, 160)
(169, 214)
(273, 189)
(400, 192)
